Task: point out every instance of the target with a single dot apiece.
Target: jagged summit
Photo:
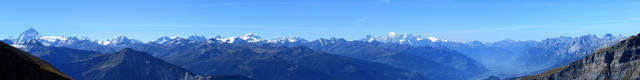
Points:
(251, 37)
(165, 39)
(629, 43)
(392, 34)
(287, 40)
(618, 62)
(161, 40)
(393, 37)
(120, 40)
(28, 35)
(32, 34)
(246, 38)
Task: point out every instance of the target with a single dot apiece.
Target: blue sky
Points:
(455, 20)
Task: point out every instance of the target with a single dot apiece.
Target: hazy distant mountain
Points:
(510, 57)
(197, 38)
(618, 62)
(123, 65)
(20, 65)
(434, 63)
(555, 52)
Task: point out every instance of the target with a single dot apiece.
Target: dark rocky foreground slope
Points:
(20, 65)
(618, 62)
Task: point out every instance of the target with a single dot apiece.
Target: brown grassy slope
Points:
(16, 64)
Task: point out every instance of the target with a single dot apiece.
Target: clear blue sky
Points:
(456, 20)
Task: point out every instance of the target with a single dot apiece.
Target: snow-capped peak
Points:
(161, 40)
(370, 38)
(170, 40)
(392, 34)
(104, 42)
(394, 37)
(174, 37)
(251, 37)
(119, 40)
(286, 39)
(28, 35)
(433, 39)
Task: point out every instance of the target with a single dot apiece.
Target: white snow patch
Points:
(53, 38)
(227, 40)
(392, 34)
(19, 46)
(433, 39)
(104, 42)
(174, 37)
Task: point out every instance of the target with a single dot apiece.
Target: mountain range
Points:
(126, 64)
(178, 51)
(394, 56)
(508, 58)
(442, 63)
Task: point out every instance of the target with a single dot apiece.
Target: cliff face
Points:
(20, 65)
(618, 62)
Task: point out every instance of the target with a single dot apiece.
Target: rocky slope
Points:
(20, 65)
(618, 62)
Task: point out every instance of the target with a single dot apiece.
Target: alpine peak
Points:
(28, 35)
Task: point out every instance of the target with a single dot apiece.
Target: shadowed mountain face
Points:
(20, 65)
(618, 62)
(433, 63)
(133, 65)
(280, 63)
(122, 65)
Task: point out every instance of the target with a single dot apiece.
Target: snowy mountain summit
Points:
(393, 37)
(28, 35)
